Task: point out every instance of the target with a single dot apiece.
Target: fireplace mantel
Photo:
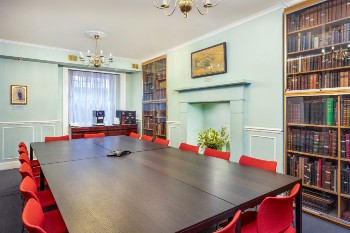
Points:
(216, 85)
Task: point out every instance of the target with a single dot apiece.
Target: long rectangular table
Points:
(154, 189)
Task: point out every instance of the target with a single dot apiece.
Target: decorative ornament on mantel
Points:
(185, 6)
(98, 58)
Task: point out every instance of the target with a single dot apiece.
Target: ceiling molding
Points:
(232, 25)
(56, 49)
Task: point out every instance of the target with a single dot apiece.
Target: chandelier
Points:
(98, 58)
(185, 6)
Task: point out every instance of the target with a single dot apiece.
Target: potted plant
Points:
(211, 138)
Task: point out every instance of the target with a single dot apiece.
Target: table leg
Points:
(42, 179)
(31, 152)
(298, 212)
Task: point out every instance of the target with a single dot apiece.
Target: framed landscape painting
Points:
(18, 94)
(209, 61)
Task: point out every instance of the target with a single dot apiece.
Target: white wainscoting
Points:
(173, 131)
(265, 143)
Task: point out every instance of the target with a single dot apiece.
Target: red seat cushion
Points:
(94, 135)
(34, 163)
(46, 198)
(188, 147)
(217, 154)
(54, 222)
(147, 138)
(37, 182)
(258, 163)
(36, 171)
(57, 138)
(134, 135)
(162, 141)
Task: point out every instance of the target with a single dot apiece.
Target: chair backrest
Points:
(22, 150)
(28, 189)
(23, 158)
(217, 154)
(33, 217)
(162, 141)
(147, 138)
(94, 135)
(188, 147)
(276, 213)
(56, 138)
(22, 144)
(26, 170)
(258, 163)
(231, 227)
(134, 135)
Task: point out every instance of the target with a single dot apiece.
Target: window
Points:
(90, 91)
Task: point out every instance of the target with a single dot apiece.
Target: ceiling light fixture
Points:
(185, 6)
(98, 58)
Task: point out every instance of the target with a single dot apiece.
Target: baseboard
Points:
(9, 165)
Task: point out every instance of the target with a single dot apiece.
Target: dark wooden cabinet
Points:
(115, 130)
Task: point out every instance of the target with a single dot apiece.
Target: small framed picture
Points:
(18, 94)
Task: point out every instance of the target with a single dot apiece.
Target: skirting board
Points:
(9, 165)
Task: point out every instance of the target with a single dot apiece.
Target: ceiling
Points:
(135, 28)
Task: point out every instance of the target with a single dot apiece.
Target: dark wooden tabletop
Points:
(111, 194)
(229, 181)
(62, 151)
(125, 143)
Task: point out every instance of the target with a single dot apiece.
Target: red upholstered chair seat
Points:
(36, 221)
(217, 154)
(275, 215)
(258, 163)
(26, 170)
(29, 190)
(22, 144)
(22, 150)
(23, 158)
(134, 135)
(147, 138)
(162, 141)
(188, 147)
(56, 138)
(94, 135)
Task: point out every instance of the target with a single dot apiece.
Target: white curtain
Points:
(90, 91)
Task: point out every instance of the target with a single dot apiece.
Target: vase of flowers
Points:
(211, 138)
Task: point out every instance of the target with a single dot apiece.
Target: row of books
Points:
(318, 172)
(148, 123)
(319, 81)
(318, 14)
(148, 87)
(346, 215)
(318, 201)
(316, 111)
(345, 146)
(160, 65)
(318, 39)
(313, 142)
(161, 84)
(157, 95)
(161, 128)
(334, 59)
(345, 111)
(345, 180)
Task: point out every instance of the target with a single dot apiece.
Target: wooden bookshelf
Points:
(317, 105)
(154, 104)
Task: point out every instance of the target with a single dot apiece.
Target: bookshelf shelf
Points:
(312, 155)
(334, 22)
(154, 104)
(317, 105)
(311, 125)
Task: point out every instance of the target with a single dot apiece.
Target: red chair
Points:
(36, 221)
(258, 163)
(23, 158)
(188, 147)
(231, 227)
(57, 138)
(94, 135)
(22, 150)
(22, 144)
(275, 215)
(29, 190)
(162, 141)
(147, 138)
(26, 170)
(217, 154)
(134, 135)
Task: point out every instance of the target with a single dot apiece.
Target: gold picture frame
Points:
(18, 94)
(209, 61)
